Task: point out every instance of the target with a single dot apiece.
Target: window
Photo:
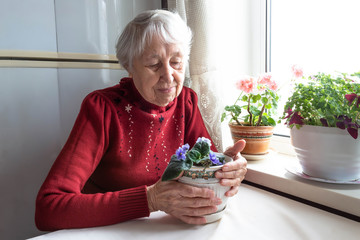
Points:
(319, 36)
(240, 31)
(271, 35)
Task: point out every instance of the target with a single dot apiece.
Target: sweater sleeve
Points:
(195, 126)
(60, 203)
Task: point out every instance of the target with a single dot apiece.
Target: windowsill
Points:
(271, 173)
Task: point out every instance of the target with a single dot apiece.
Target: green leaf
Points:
(255, 98)
(268, 106)
(228, 108)
(188, 164)
(202, 147)
(223, 116)
(264, 100)
(234, 109)
(255, 111)
(193, 155)
(174, 169)
(246, 118)
(237, 109)
(271, 121)
(272, 94)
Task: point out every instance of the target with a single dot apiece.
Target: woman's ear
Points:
(129, 72)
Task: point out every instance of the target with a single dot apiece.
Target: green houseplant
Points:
(256, 103)
(251, 115)
(320, 108)
(185, 158)
(326, 101)
(198, 166)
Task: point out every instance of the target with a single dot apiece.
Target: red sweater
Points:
(119, 145)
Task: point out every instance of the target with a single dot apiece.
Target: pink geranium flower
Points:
(245, 84)
(265, 78)
(272, 85)
(297, 71)
(258, 99)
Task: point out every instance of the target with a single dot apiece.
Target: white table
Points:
(252, 214)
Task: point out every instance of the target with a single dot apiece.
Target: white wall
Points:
(39, 105)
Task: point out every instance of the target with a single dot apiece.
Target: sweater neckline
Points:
(140, 102)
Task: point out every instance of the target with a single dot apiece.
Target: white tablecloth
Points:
(251, 214)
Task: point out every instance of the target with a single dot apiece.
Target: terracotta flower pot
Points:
(257, 139)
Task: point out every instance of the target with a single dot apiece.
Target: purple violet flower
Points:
(204, 139)
(214, 159)
(181, 153)
(186, 147)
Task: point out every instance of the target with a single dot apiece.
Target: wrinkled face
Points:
(159, 73)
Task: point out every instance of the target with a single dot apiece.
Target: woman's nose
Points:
(167, 73)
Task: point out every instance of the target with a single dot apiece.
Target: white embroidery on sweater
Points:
(128, 108)
(150, 139)
(131, 123)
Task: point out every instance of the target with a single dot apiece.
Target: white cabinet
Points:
(81, 26)
(29, 144)
(39, 104)
(27, 25)
(87, 26)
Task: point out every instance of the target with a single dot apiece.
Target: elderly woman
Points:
(123, 138)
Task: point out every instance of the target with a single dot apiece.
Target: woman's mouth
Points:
(166, 89)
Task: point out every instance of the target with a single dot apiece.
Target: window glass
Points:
(317, 35)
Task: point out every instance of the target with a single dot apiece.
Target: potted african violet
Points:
(324, 116)
(198, 166)
(251, 115)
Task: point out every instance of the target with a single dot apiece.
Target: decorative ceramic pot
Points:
(327, 152)
(198, 177)
(257, 139)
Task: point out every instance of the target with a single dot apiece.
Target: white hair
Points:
(164, 25)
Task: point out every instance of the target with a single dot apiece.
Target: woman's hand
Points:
(233, 173)
(182, 201)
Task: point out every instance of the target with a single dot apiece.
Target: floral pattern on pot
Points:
(199, 174)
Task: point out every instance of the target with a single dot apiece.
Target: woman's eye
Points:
(155, 66)
(176, 64)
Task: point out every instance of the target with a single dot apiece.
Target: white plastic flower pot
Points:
(327, 153)
(199, 177)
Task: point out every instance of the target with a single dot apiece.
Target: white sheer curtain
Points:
(204, 75)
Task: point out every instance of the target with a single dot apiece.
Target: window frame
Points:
(280, 142)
